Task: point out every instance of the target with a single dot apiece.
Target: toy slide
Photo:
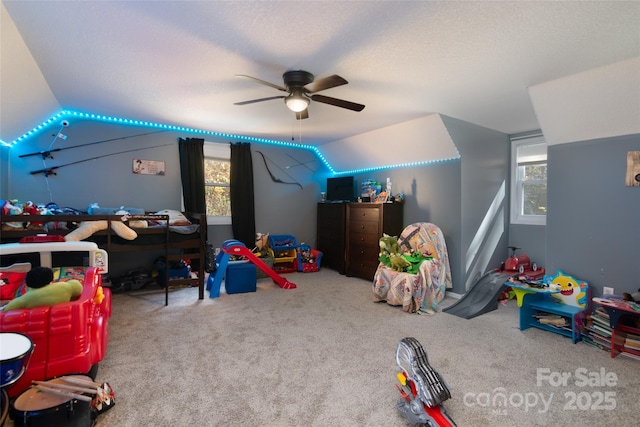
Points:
(234, 247)
(481, 298)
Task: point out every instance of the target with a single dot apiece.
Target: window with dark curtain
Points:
(243, 221)
(192, 173)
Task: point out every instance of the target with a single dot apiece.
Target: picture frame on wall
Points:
(633, 169)
(148, 167)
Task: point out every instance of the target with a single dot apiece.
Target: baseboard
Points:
(453, 295)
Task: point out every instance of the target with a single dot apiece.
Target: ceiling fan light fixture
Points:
(296, 102)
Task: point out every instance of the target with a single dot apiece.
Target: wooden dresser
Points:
(364, 225)
(331, 235)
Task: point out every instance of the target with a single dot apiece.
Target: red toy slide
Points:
(239, 249)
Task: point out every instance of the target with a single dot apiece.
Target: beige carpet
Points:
(324, 355)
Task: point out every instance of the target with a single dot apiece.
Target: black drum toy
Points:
(53, 404)
(15, 352)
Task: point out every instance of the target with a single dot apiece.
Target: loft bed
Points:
(151, 232)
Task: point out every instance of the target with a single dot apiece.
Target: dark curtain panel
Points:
(192, 174)
(243, 219)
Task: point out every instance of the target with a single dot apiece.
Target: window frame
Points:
(217, 151)
(517, 185)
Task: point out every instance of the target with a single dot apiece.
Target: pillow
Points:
(175, 217)
(9, 284)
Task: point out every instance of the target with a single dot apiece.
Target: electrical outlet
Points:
(607, 291)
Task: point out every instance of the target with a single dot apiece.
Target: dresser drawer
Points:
(364, 239)
(363, 252)
(364, 227)
(365, 214)
(363, 261)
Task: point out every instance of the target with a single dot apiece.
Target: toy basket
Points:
(284, 248)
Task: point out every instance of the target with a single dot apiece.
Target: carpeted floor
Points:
(324, 355)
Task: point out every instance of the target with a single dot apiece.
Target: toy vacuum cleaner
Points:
(423, 390)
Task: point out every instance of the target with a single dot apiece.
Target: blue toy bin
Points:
(280, 242)
(240, 277)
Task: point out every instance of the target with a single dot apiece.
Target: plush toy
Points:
(29, 208)
(262, 248)
(388, 245)
(391, 256)
(399, 262)
(87, 228)
(11, 207)
(42, 291)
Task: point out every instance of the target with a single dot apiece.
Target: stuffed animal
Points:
(29, 208)
(262, 248)
(87, 228)
(388, 245)
(11, 207)
(399, 262)
(42, 291)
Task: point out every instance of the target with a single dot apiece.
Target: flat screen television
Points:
(340, 189)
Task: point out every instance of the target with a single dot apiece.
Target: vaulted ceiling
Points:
(175, 62)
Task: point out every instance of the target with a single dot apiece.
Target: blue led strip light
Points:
(398, 166)
(70, 114)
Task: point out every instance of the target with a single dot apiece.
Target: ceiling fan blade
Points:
(304, 114)
(338, 102)
(275, 86)
(252, 101)
(327, 83)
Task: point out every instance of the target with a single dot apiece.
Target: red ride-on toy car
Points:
(521, 265)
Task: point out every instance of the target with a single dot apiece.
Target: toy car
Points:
(67, 338)
(521, 264)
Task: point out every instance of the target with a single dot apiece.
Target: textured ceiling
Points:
(174, 62)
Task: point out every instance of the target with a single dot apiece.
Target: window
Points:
(529, 180)
(217, 182)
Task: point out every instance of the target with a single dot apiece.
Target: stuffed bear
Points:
(42, 291)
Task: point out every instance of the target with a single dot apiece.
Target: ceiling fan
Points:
(299, 97)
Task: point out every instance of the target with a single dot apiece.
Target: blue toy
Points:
(237, 248)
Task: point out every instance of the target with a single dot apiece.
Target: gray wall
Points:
(109, 181)
(432, 194)
(454, 195)
(484, 195)
(531, 239)
(593, 223)
(466, 198)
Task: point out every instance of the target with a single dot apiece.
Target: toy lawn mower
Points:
(423, 390)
